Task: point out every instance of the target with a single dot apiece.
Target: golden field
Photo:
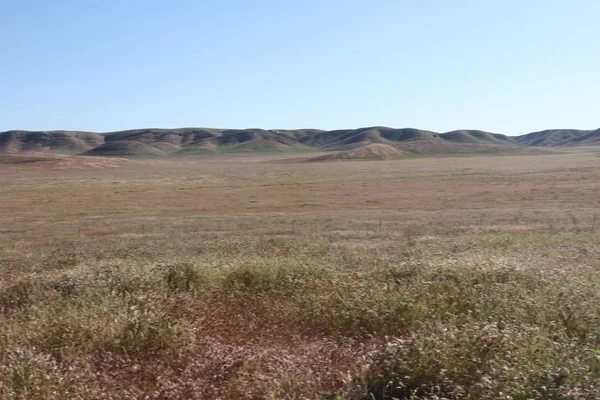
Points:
(267, 277)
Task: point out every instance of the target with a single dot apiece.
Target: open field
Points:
(255, 277)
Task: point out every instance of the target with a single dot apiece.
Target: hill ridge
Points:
(197, 140)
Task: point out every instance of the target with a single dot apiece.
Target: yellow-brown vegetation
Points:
(244, 277)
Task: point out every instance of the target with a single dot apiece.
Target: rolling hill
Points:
(186, 141)
(561, 138)
(125, 147)
(54, 141)
(373, 151)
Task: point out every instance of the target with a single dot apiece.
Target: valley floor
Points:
(256, 277)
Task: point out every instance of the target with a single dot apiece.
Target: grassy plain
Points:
(256, 277)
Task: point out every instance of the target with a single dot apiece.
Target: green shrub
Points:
(183, 277)
(147, 334)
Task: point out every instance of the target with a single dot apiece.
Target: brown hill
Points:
(561, 138)
(381, 151)
(197, 140)
(186, 141)
(350, 139)
(374, 151)
(124, 148)
(53, 141)
(179, 137)
(478, 137)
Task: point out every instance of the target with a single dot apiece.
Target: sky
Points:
(504, 66)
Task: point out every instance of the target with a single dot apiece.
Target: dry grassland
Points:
(256, 277)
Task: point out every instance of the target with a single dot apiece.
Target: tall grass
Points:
(309, 315)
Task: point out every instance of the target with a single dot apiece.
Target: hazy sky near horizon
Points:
(505, 66)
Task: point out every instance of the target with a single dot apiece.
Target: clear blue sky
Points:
(506, 66)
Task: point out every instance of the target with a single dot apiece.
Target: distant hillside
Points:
(374, 151)
(54, 141)
(125, 148)
(186, 141)
(561, 137)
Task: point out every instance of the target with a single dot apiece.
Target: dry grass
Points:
(238, 277)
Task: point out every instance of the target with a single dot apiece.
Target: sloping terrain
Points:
(561, 137)
(125, 148)
(374, 151)
(185, 141)
(478, 137)
(381, 151)
(53, 141)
